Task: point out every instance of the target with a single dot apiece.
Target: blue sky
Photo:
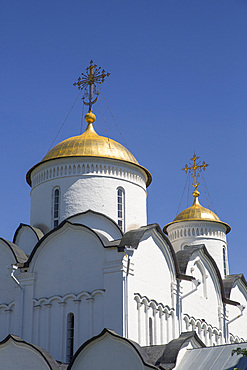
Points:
(178, 84)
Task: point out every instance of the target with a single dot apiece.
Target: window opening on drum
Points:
(121, 208)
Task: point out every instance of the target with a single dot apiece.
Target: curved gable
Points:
(18, 255)
(98, 222)
(149, 249)
(230, 281)
(133, 238)
(72, 257)
(107, 351)
(10, 255)
(185, 255)
(206, 299)
(54, 233)
(14, 350)
(237, 290)
(200, 260)
(26, 237)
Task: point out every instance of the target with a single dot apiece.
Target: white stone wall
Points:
(206, 301)
(7, 320)
(7, 283)
(87, 183)
(210, 335)
(237, 329)
(71, 272)
(68, 261)
(211, 234)
(50, 320)
(152, 279)
(162, 329)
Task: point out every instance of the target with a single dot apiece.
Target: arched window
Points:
(224, 261)
(150, 324)
(70, 337)
(56, 201)
(203, 278)
(121, 208)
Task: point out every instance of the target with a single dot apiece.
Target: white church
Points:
(89, 285)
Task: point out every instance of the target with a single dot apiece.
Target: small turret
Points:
(199, 225)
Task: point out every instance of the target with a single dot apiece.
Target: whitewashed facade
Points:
(82, 266)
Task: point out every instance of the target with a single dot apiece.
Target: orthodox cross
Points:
(90, 79)
(195, 169)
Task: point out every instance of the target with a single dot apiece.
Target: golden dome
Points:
(197, 213)
(90, 144)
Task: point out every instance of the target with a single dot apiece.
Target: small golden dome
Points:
(90, 144)
(197, 213)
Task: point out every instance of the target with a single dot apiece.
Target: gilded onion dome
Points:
(90, 144)
(197, 213)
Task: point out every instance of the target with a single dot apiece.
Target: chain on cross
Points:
(94, 76)
(195, 168)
